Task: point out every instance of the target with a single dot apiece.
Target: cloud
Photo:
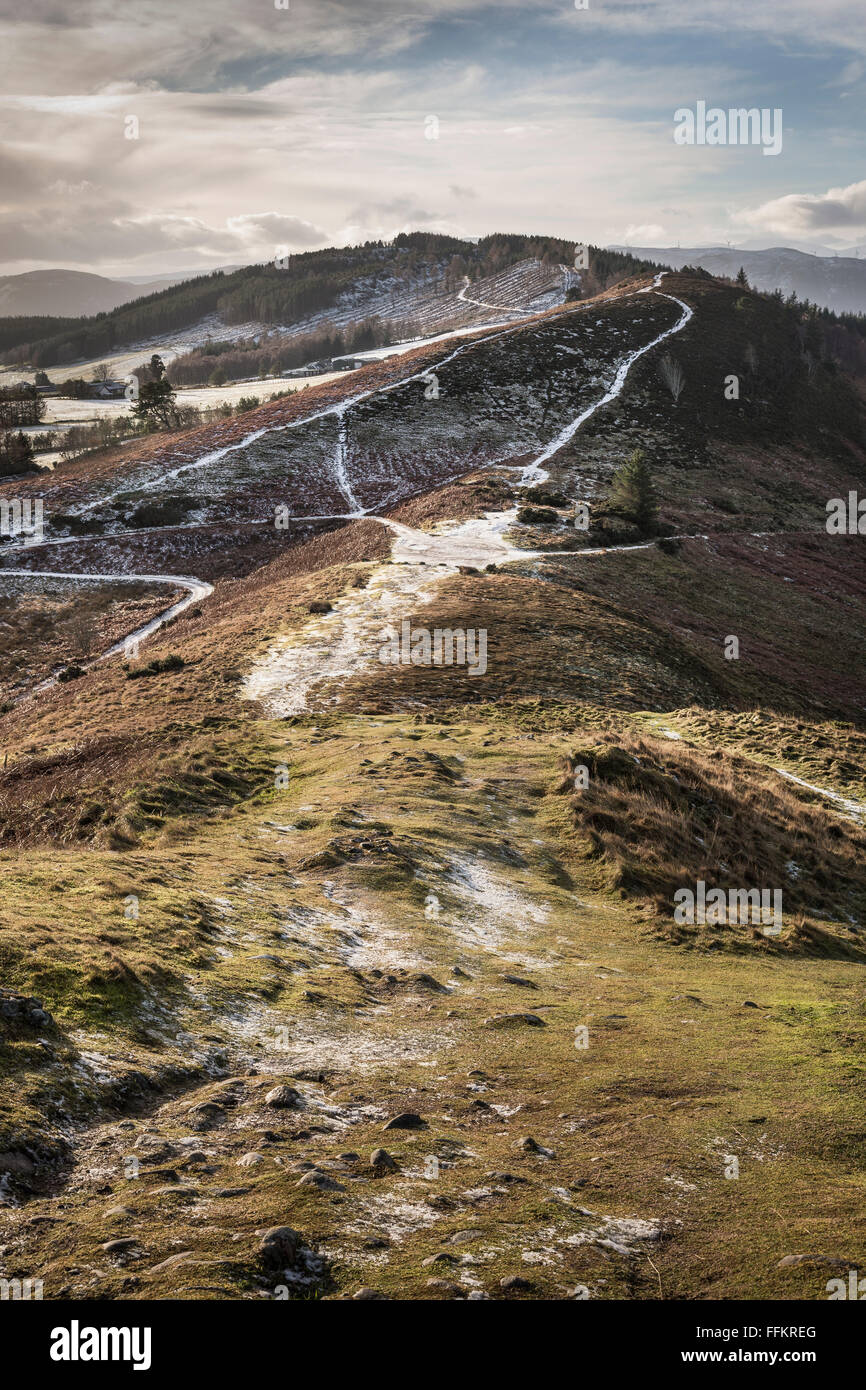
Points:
(381, 221)
(552, 120)
(795, 214)
(644, 234)
(276, 228)
(129, 238)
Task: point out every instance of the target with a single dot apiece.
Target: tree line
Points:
(215, 363)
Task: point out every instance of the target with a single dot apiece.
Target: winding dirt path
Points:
(348, 639)
(478, 542)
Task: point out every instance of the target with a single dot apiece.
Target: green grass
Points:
(639, 1122)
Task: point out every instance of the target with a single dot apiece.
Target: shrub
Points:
(154, 668)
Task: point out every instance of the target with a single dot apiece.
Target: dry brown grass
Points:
(658, 816)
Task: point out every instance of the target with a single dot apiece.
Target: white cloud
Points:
(644, 234)
(797, 214)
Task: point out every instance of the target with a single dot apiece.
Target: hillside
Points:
(298, 936)
(412, 282)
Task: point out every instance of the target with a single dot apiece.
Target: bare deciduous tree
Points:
(672, 375)
(81, 632)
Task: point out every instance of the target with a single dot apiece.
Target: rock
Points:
(115, 1212)
(321, 1181)
(442, 1258)
(206, 1116)
(505, 1177)
(14, 1162)
(514, 1281)
(427, 982)
(797, 1261)
(210, 1109)
(460, 974)
(232, 1191)
(511, 1020)
(170, 1262)
(445, 1286)
(118, 1247)
(407, 1120)
(531, 1146)
(368, 1295)
(461, 1237)
(23, 1010)
(749, 1004)
(279, 1247)
(519, 980)
(382, 1162)
(282, 1098)
(250, 1160)
(157, 1149)
(615, 1245)
(376, 1243)
(176, 1190)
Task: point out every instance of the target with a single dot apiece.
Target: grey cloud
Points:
(809, 212)
(69, 236)
(278, 227)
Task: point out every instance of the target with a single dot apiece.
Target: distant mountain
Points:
(69, 293)
(161, 281)
(837, 282)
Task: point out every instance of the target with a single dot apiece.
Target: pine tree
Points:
(156, 407)
(741, 278)
(632, 492)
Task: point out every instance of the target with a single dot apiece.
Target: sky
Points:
(164, 136)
